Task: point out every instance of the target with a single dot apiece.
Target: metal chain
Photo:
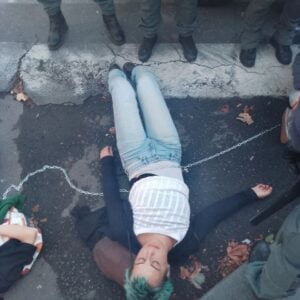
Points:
(186, 167)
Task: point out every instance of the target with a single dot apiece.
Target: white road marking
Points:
(81, 191)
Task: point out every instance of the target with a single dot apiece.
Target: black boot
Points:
(115, 31)
(247, 57)
(260, 252)
(127, 69)
(283, 52)
(146, 47)
(189, 48)
(58, 30)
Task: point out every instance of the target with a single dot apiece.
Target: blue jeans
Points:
(141, 144)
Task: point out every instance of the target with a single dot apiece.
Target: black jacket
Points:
(116, 220)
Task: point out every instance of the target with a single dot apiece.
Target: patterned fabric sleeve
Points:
(14, 217)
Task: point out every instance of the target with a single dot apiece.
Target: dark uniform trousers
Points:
(279, 276)
(186, 16)
(255, 18)
(52, 7)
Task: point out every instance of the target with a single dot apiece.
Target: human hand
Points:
(106, 151)
(262, 190)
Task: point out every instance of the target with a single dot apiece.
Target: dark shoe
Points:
(146, 47)
(247, 57)
(127, 69)
(260, 252)
(114, 67)
(58, 30)
(115, 31)
(283, 52)
(189, 48)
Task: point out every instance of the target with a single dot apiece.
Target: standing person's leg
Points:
(186, 20)
(51, 7)
(58, 26)
(158, 121)
(286, 31)
(279, 276)
(149, 23)
(111, 22)
(131, 137)
(255, 18)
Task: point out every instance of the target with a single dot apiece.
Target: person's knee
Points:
(141, 75)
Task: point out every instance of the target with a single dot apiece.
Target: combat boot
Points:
(248, 57)
(283, 53)
(146, 47)
(190, 51)
(57, 31)
(114, 29)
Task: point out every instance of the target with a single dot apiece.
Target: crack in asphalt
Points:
(180, 60)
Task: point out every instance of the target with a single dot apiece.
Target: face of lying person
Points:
(151, 263)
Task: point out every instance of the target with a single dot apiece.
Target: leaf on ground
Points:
(198, 281)
(18, 87)
(44, 220)
(245, 118)
(191, 271)
(248, 109)
(237, 254)
(21, 97)
(18, 91)
(35, 208)
(112, 131)
(224, 109)
(33, 222)
(192, 268)
(270, 238)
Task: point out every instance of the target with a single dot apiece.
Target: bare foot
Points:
(262, 190)
(106, 151)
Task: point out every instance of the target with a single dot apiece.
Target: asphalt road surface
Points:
(69, 136)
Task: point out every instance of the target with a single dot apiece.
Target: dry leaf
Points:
(245, 118)
(248, 109)
(35, 208)
(18, 87)
(112, 130)
(270, 238)
(237, 254)
(44, 220)
(33, 222)
(198, 281)
(224, 109)
(21, 97)
(18, 91)
(191, 269)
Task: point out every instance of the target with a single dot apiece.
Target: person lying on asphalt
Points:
(155, 222)
(20, 244)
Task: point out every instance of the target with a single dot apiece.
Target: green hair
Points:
(139, 289)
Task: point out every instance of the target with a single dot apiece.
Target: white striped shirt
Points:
(160, 205)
